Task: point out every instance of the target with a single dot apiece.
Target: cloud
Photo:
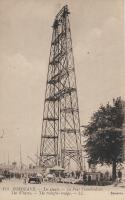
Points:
(100, 39)
(19, 61)
(98, 55)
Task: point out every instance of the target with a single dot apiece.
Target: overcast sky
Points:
(25, 36)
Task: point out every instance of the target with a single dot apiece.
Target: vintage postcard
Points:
(62, 99)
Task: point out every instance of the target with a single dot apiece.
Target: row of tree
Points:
(104, 135)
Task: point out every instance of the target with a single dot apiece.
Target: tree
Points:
(104, 143)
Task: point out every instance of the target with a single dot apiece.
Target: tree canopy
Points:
(104, 142)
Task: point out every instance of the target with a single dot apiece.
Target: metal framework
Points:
(61, 138)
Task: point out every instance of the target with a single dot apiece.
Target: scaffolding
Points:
(61, 137)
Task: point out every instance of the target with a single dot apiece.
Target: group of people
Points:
(88, 178)
(102, 177)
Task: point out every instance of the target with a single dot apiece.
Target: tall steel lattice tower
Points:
(61, 138)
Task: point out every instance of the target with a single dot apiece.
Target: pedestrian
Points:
(106, 175)
(119, 176)
(89, 179)
(97, 179)
(84, 178)
(24, 179)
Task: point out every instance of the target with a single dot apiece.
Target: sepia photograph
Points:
(62, 99)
